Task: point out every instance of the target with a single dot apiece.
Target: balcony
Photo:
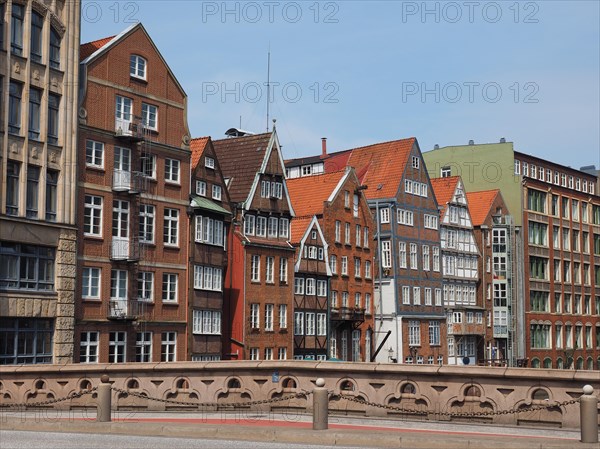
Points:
(347, 314)
(466, 329)
(125, 309)
(125, 249)
(133, 182)
(500, 331)
(131, 130)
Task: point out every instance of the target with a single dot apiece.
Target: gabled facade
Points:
(209, 222)
(258, 284)
(311, 290)
(133, 190)
(337, 199)
(465, 311)
(39, 54)
(492, 223)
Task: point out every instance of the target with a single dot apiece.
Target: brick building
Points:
(258, 283)
(561, 226)
(460, 268)
(39, 54)
(495, 289)
(133, 192)
(311, 289)
(209, 222)
(338, 202)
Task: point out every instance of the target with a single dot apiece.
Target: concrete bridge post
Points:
(320, 406)
(103, 408)
(588, 406)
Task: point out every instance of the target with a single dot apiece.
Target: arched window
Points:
(535, 363)
(579, 364)
(559, 364)
(589, 364)
(547, 362)
(137, 67)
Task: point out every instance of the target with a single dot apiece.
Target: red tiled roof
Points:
(240, 159)
(89, 48)
(197, 146)
(308, 193)
(443, 189)
(381, 166)
(480, 204)
(299, 226)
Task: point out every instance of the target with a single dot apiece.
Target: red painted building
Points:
(258, 284)
(134, 168)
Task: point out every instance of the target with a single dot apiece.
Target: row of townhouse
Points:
(124, 239)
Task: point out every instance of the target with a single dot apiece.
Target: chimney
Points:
(323, 147)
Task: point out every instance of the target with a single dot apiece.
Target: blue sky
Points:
(365, 72)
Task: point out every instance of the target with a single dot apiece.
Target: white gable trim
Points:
(314, 222)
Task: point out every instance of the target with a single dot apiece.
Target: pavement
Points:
(285, 428)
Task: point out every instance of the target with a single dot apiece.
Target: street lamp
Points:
(391, 355)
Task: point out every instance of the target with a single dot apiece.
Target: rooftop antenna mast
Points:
(268, 84)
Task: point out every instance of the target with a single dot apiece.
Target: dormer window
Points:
(137, 67)
(209, 162)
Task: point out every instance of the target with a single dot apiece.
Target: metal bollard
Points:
(320, 406)
(103, 408)
(588, 409)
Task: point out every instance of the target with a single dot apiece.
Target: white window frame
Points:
(168, 346)
(93, 210)
(209, 162)
(150, 116)
(170, 287)
(269, 312)
(172, 170)
(282, 316)
(91, 346)
(138, 67)
(93, 275)
(255, 316)
(171, 227)
(96, 152)
(255, 268)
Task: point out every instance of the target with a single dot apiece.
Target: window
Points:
(405, 295)
(33, 182)
(254, 316)
(575, 210)
(284, 226)
(54, 49)
(414, 333)
(310, 323)
(345, 265)
(88, 347)
(91, 283)
(565, 208)
(169, 288)
(334, 299)
(272, 228)
(358, 235)
(321, 288)
(209, 162)
(255, 268)
(146, 223)
(261, 226)
(402, 254)
(37, 25)
(172, 171)
(517, 167)
(168, 346)
(538, 268)
(137, 67)
(276, 190)
(368, 303)
(35, 97)
(265, 189)
(283, 270)
(310, 286)
(208, 278)
(51, 194)
(445, 172)
(431, 221)
(14, 106)
(117, 345)
(536, 201)
(254, 354)
(355, 201)
(434, 333)
(249, 224)
(16, 38)
(368, 274)
(94, 154)
(148, 165)
(53, 116)
(150, 116)
(283, 316)
(338, 231)
(417, 296)
(143, 347)
(269, 317)
(145, 286)
(436, 258)
(425, 257)
(209, 231)
(201, 190)
(298, 286)
(298, 323)
(333, 263)
(413, 256)
(366, 237)
(171, 227)
(415, 162)
(92, 218)
(386, 254)
(356, 267)
(538, 233)
(384, 215)
(269, 277)
(347, 234)
(123, 110)
(357, 300)
(268, 353)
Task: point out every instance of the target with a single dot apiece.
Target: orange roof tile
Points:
(299, 226)
(443, 189)
(89, 48)
(197, 146)
(480, 204)
(381, 166)
(307, 194)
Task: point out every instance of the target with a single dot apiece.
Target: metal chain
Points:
(302, 394)
(73, 395)
(461, 414)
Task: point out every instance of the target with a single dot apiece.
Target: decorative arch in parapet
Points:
(348, 386)
(288, 386)
(407, 396)
(471, 399)
(233, 392)
(539, 395)
(39, 392)
(181, 390)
